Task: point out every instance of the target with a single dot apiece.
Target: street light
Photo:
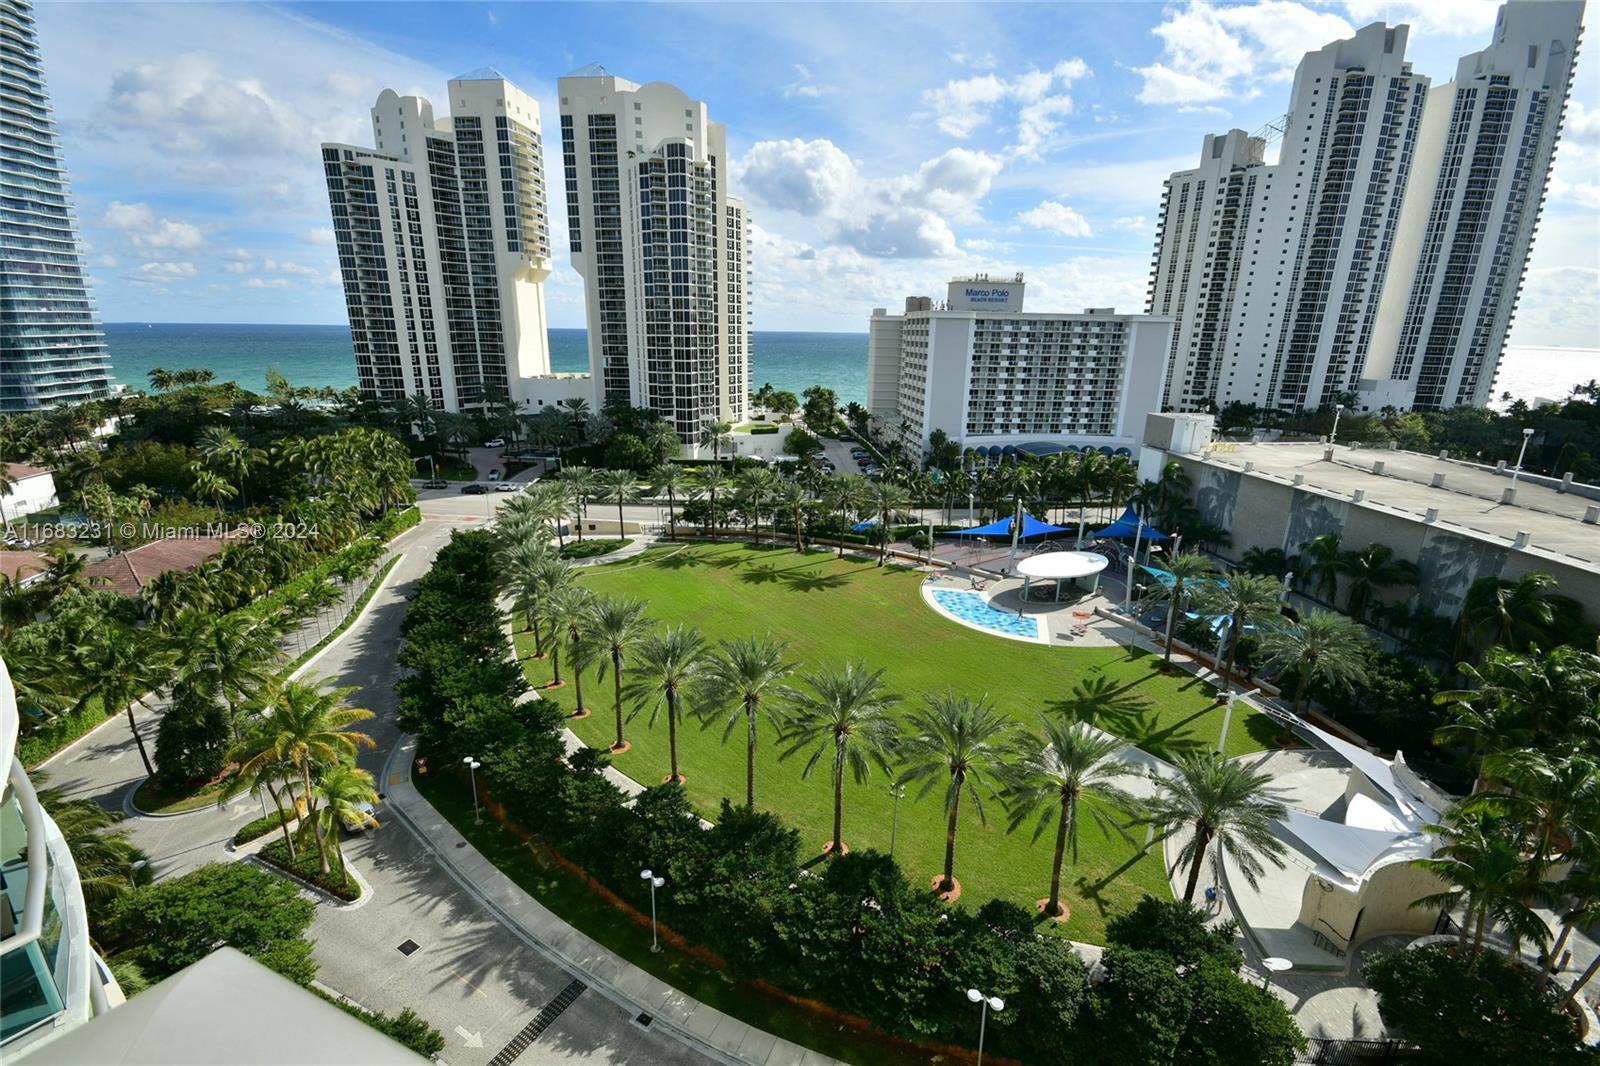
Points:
(472, 769)
(1527, 435)
(1338, 409)
(898, 792)
(655, 883)
(990, 1003)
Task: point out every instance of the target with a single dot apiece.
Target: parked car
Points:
(436, 483)
(498, 442)
(858, 453)
(494, 475)
(507, 486)
(827, 468)
(473, 489)
(360, 818)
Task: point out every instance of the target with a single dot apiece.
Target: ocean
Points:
(320, 356)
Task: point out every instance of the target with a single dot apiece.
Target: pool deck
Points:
(1059, 622)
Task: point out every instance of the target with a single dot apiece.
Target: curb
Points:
(323, 896)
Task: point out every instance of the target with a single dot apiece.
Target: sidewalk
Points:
(718, 1035)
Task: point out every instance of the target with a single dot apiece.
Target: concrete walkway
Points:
(718, 1035)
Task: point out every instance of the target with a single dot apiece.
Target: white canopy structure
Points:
(1060, 567)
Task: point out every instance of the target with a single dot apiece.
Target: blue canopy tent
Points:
(1125, 527)
(1031, 527)
(862, 527)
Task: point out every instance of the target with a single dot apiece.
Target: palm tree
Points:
(1582, 892)
(793, 499)
(119, 665)
(578, 414)
(849, 496)
(1370, 569)
(233, 655)
(108, 865)
(581, 484)
(1070, 761)
(1086, 476)
(1321, 645)
(845, 715)
(745, 673)
(671, 479)
(1272, 562)
(310, 728)
(672, 662)
(618, 627)
(887, 500)
(965, 741)
(1319, 564)
(712, 435)
(1554, 799)
(267, 772)
(618, 487)
(570, 612)
(1512, 614)
(1242, 597)
(343, 793)
(709, 480)
(1190, 571)
(756, 487)
(1217, 800)
(1483, 862)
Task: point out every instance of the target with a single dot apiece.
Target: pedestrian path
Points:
(721, 1036)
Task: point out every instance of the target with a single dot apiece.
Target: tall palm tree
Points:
(964, 741)
(119, 665)
(888, 499)
(1582, 892)
(1322, 645)
(108, 865)
(849, 497)
(709, 480)
(343, 792)
(578, 414)
(618, 487)
(845, 716)
(1053, 773)
(670, 663)
(745, 674)
(618, 627)
(1483, 862)
(1370, 569)
(1244, 598)
(1190, 571)
(713, 435)
(267, 772)
(756, 487)
(1553, 799)
(310, 728)
(581, 485)
(793, 499)
(1086, 476)
(671, 479)
(1512, 614)
(233, 655)
(570, 611)
(1217, 800)
(1319, 565)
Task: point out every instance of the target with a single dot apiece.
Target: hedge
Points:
(258, 828)
(588, 549)
(757, 431)
(349, 619)
(404, 1028)
(307, 868)
(58, 732)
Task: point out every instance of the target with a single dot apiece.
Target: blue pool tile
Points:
(970, 607)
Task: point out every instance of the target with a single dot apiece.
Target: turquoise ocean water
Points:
(320, 355)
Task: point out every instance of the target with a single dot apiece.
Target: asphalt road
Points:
(469, 976)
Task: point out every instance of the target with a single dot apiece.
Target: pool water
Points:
(971, 608)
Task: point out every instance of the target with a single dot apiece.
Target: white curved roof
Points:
(1059, 566)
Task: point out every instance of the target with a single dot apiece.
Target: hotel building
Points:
(662, 247)
(998, 379)
(444, 245)
(53, 349)
(1381, 254)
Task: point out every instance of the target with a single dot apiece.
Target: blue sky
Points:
(882, 148)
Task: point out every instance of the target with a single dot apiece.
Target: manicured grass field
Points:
(830, 611)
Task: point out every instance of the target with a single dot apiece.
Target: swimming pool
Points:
(969, 608)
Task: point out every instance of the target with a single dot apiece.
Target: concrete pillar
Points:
(1566, 482)
(1500, 467)
(1327, 455)
(1432, 515)
(1522, 539)
(1358, 495)
(1591, 515)
(1299, 479)
(1377, 467)
(1249, 466)
(1509, 495)
(1438, 480)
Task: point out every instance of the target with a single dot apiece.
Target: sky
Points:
(882, 148)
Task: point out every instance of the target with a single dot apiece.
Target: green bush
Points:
(257, 828)
(306, 866)
(192, 740)
(395, 522)
(405, 1028)
(588, 549)
(58, 732)
(1498, 1012)
(764, 430)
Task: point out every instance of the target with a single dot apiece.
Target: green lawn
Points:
(832, 610)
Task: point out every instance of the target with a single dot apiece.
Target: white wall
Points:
(30, 495)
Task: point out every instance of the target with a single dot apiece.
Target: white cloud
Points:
(1132, 223)
(961, 106)
(267, 283)
(1458, 18)
(1212, 53)
(106, 262)
(1057, 218)
(811, 178)
(142, 229)
(160, 272)
(320, 235)
(805, 85)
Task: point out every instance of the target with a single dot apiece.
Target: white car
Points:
(507, 486)
(498, 442)
(494, 475)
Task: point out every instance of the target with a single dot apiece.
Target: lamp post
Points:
(472, 769)
(1527, 435)
(1227, 716)
(1338, 409)
(989, 1003)
(655, 883)
(898, 792)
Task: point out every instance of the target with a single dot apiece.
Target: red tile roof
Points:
(21, 565)
(21, 470)
(130, 571)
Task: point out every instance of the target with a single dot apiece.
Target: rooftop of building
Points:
(18, 471)
(19, 566)
(130, 571)
(1466, 496)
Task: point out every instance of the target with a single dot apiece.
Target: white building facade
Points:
(444, 246)
(662, 248)
(996, 378)
(1298, 283)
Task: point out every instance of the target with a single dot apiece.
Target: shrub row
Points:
(756, 431)
(306, 866)
(405, 1028)
(257, 828)
(588, 549)
(59, 731)
(856, 935)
